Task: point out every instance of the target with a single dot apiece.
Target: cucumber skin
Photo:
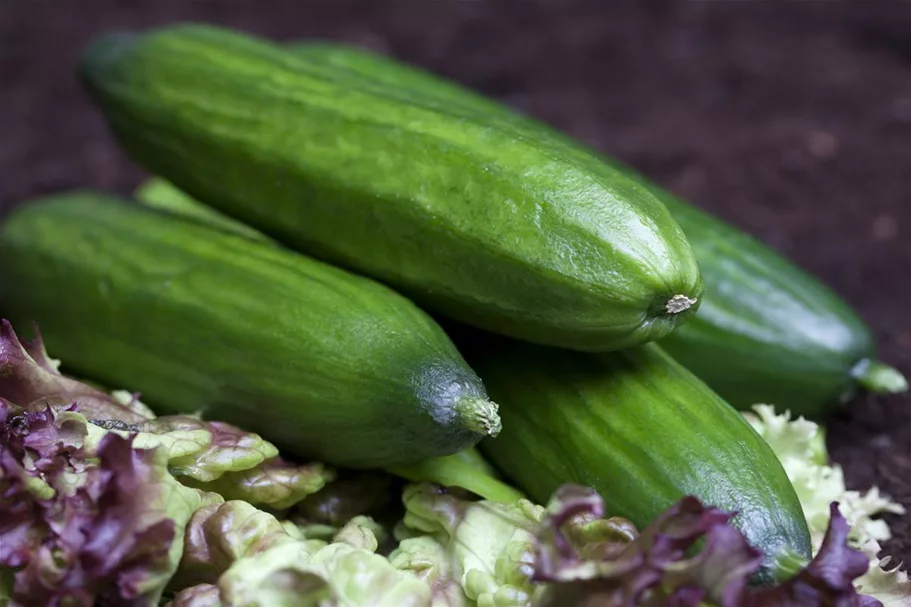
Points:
(326, 364)
(640, 429)
(766, 331)
(452, 209)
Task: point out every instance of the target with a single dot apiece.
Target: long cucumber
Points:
(766, 331)
(459, 212)
(640, 429)
(324, 363)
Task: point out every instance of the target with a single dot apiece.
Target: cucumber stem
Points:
(879, 377)
(480, 415)
(679, 303)
(454, 471)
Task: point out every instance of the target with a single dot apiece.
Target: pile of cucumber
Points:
(372, 267)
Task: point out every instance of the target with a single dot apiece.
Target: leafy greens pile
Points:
(102, 503)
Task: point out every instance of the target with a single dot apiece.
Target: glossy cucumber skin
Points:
(639, 428)
(458, 211)
(766, 331)
(324, 363)
(769, 332)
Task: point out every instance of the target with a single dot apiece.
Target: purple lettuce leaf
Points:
(29, 378)
(81, 527)
(828, 579)
(656, 568)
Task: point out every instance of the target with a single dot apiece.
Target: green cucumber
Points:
(640, 429)
(770, 332)
(766, 332)
(464, 215)
(324, 363)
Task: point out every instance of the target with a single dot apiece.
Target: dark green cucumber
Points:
(465, 469)
(322, 362)
(639, 428)
(463, 214)
(766, 331)
(770, 332)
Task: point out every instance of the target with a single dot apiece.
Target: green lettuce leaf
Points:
(800, 445)
(253, 559)
(890, 585)
(489, 545)
(274, 483)
(427, 558)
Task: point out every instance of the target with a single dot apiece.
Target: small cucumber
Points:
(462, 213)
(324, 363)
(766, 332)
(640, 429)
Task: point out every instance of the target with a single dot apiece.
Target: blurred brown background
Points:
(792, 121)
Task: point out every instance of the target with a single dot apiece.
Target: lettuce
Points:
(800, 445)
(30, 379)
(659, 566)
(238, 555)
(82, 525)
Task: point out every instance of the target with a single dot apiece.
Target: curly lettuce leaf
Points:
(218, 535)
(658, 566)
(252, 558)
(490, 545)
(275, 483)
(890, 585)
(360, 578)
(800, 445)
(427, 559)
(210, 455)
(102, 525)
(220, 458)
(30, 379)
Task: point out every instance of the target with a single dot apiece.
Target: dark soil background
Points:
(792, 121)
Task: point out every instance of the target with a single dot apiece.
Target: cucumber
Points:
(766, 332)
(463, 214)
(770, 332)
(640, 429)
(324, 363)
